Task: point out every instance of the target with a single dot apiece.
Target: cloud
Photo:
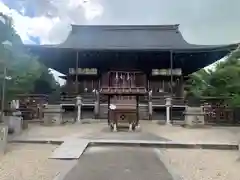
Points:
(49, 19)
(201, 21)
(27, 26)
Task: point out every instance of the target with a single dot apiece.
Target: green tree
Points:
(198, 83)
(27, 74)
(222, 82)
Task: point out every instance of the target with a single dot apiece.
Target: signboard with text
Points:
(84, 71)
(166, 72)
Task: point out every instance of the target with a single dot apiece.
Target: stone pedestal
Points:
(97, 105)
(3, 138)
(194, 117)
(24, 125)
(150, 108)
(53, 115)
(14, 123)
(79, 108)
(168, 110)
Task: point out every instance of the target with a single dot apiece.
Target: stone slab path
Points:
(71, 149)
(126, 163)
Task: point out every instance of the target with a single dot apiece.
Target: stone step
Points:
(70, 149)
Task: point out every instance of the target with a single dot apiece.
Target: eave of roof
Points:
(129, 38)
(199, 48)
(62, 51)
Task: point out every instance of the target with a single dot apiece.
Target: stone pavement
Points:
(70, 149)
(115, 163)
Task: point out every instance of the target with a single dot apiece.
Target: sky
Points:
(49, 21)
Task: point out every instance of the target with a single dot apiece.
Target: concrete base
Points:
(47, 120)
(168, 124)
(53, 115)
(194, 117)
(3, 138)
(138, 128)
(24, 125)
(15, 123)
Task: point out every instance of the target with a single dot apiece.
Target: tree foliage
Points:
(223, 81)
(27, 74)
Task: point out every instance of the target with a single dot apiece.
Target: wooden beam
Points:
(76, 74)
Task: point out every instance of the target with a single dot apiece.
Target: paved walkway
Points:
(115, 163)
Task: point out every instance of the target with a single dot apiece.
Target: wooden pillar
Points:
(171, 73)
(169, 108)
(97, 104)
(76, 74)
(137, 112)
(182, 83)
(109, 79)
(99, 83)
(108, 108)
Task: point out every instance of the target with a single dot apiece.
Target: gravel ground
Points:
(29, 162)
(39, 131)
(175, 133)
(205, 135)
(204, 164)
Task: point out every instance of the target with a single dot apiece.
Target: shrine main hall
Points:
(133, 68)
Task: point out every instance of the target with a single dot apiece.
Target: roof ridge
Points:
(127, 27)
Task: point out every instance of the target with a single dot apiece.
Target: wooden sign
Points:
(84, 71)
(166, 72)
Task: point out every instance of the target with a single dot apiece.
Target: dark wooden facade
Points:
(125, 59)
(161, 85)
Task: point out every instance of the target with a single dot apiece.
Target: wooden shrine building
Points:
(102, 63)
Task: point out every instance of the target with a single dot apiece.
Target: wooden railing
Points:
(87, 98)
(160, 100)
